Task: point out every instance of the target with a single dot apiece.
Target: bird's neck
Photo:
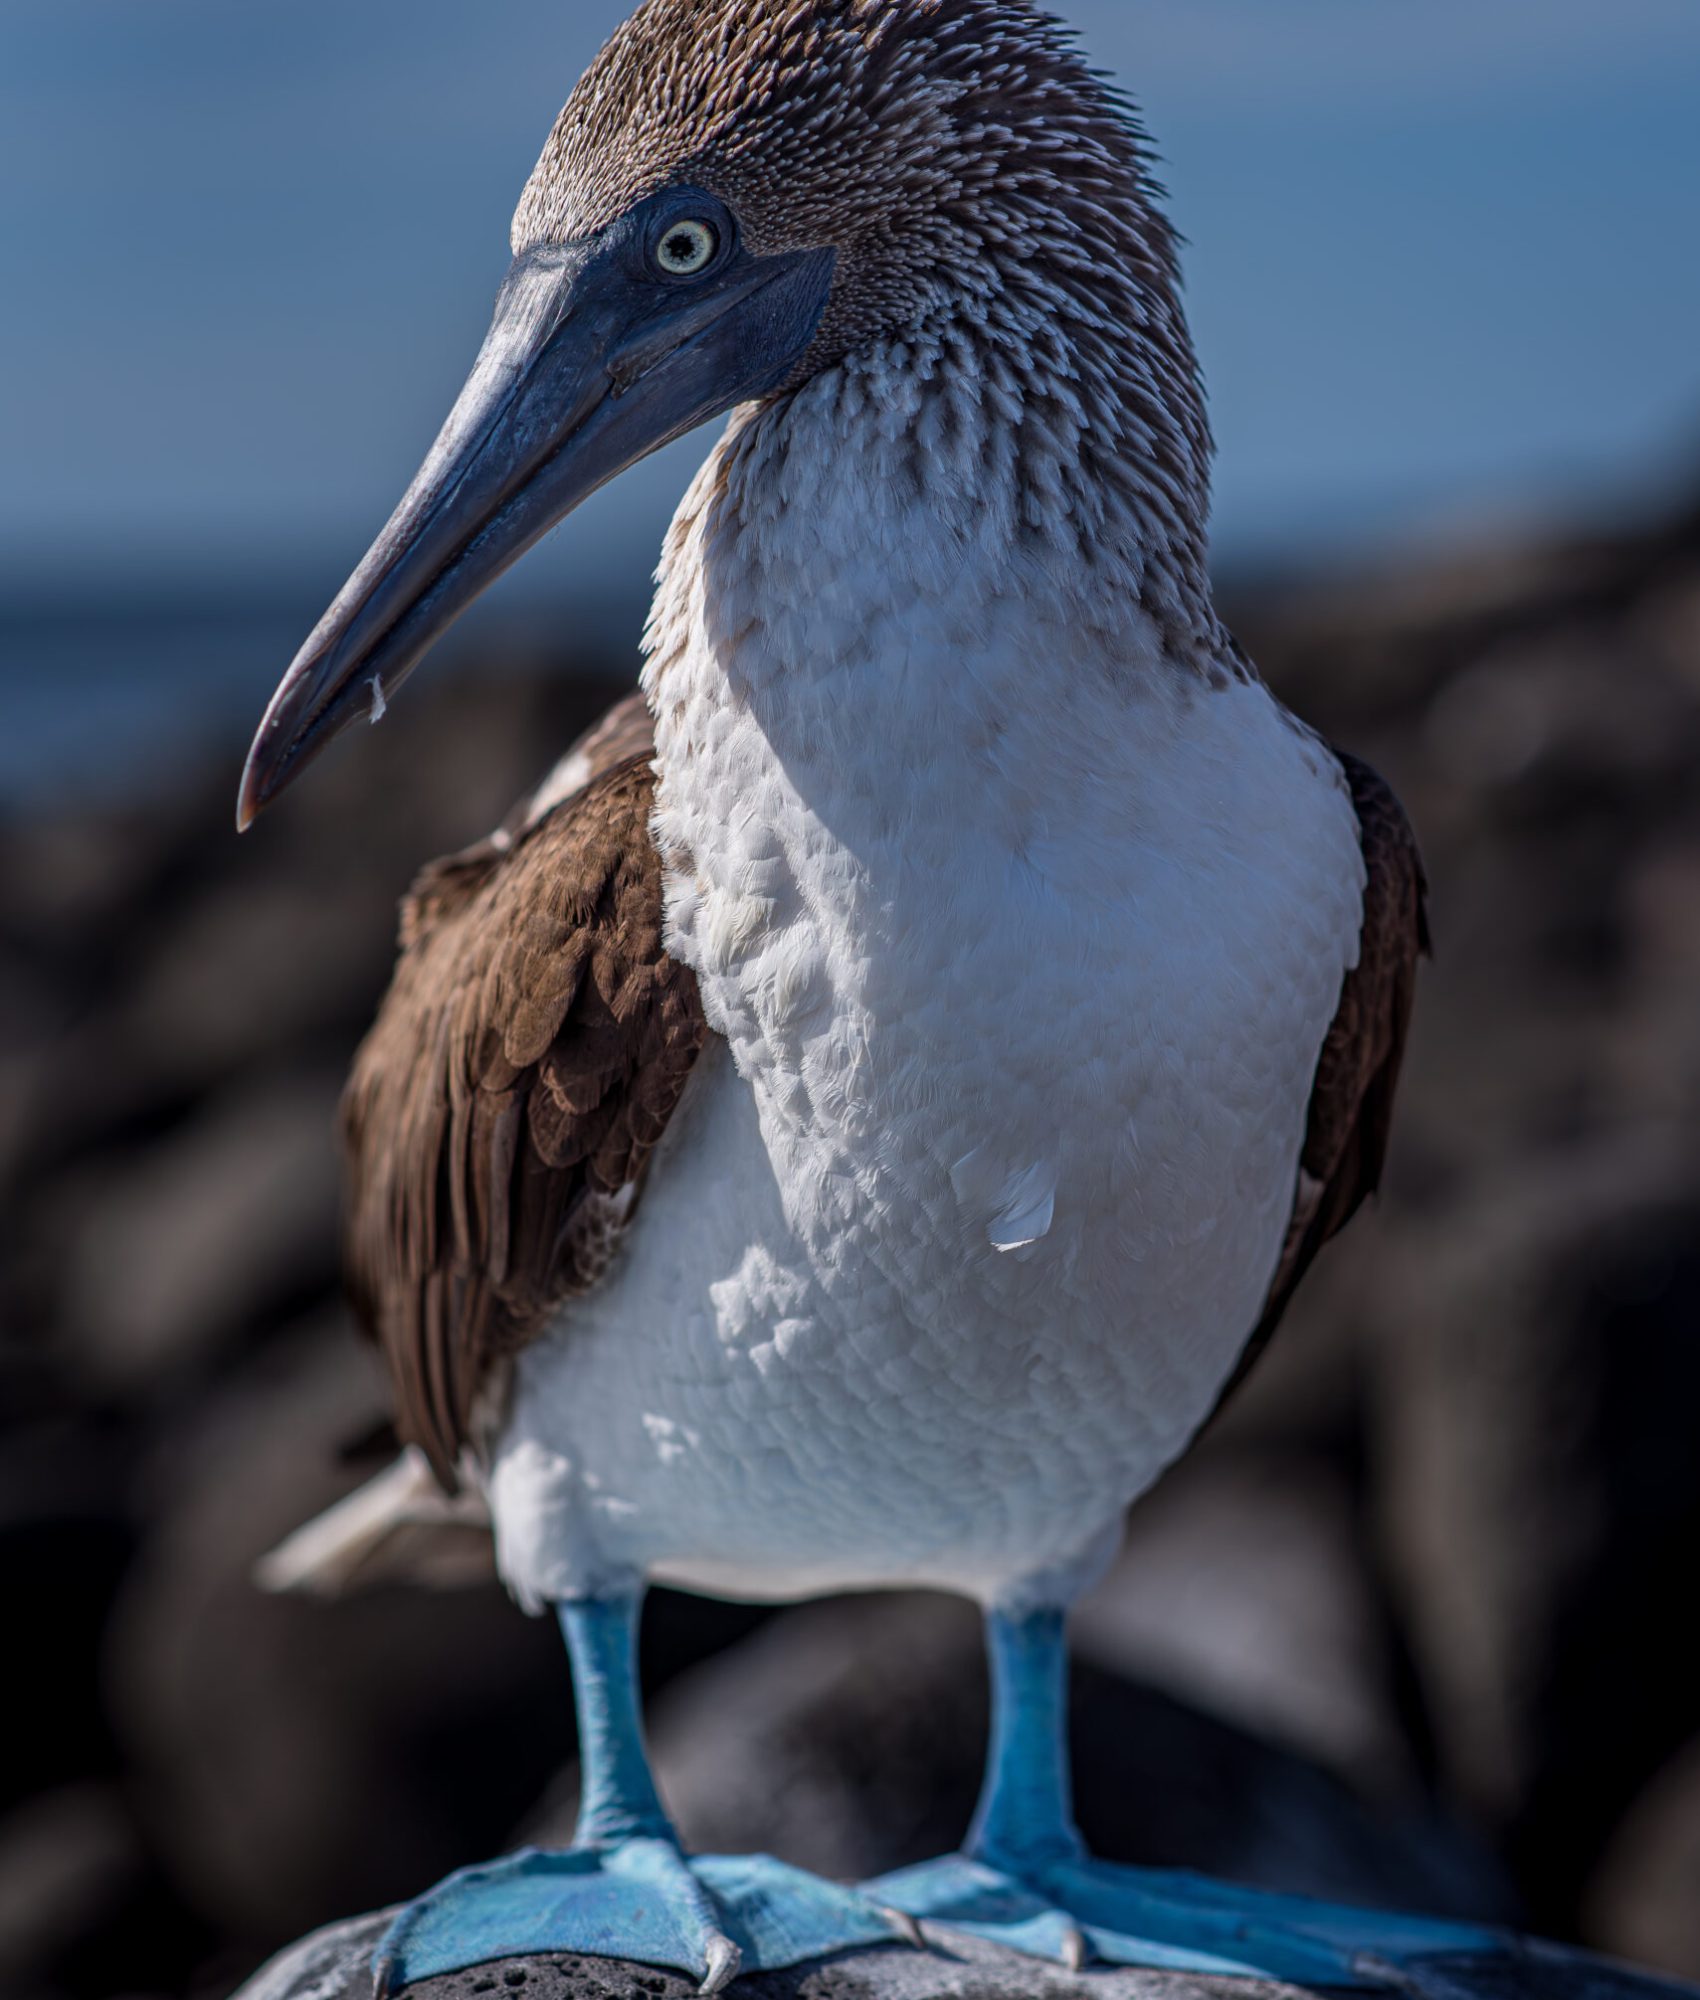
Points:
(894, 594)
(945, 508)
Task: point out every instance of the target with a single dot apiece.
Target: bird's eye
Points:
(687, 248)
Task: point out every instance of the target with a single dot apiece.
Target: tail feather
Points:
(398, 1527)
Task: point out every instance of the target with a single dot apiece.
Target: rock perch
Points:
(336, 1964)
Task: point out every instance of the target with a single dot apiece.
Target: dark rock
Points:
(1646, 1891)
(1247, 1586)
(232, 1223)
(65, 1542)
(65, 1859)
(1541, 1480)
(251, 967)
(844, 1737)
(291, 1755)
(336, 1965)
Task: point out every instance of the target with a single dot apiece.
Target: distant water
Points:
(110, 698)
(115, 693)
(116, 697)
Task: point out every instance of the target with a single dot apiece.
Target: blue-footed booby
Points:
(856, 1122)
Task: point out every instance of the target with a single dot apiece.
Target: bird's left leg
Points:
(625, 1889)
(1024, 1878)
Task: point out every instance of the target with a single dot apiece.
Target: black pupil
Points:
(683, 247)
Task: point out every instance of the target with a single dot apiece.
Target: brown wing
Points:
(626, 731)
(534, 1043)
(1357, 1075)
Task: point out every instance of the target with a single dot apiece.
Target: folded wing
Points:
(503, 1111)
(1357, 1075)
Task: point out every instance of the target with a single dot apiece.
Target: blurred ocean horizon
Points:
(113, 684)
(108, 693)
(1440, 271)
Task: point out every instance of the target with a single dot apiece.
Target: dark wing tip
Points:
(1357, 1074)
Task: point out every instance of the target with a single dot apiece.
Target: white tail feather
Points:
(400, 1526)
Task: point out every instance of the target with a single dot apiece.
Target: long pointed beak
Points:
(590, 364)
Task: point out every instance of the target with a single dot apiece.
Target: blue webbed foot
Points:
(1026, 1881)
(711, 1916)
(1073, 1910)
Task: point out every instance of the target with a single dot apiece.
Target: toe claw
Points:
(723, 1960)
(1075, 1950)
(1418, 1982)
(904, 1926)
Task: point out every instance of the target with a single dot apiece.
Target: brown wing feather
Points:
(534, 1043)
(1357, 1075)
(442, 887)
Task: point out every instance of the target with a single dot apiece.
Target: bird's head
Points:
(738, 195)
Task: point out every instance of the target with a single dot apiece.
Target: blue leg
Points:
(624, 1889)
(1025, 1880)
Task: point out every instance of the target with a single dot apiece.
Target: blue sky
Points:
(1445, 259)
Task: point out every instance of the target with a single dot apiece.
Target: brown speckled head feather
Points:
(934, 143)
(978, 181)
(500, 1118)
(1357, 1075)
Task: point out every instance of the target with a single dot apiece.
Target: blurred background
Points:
(1415, 1625)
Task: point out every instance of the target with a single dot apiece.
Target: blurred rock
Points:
(65, 1541)
(65, 1860)
(335, 1965)
(234, 1220)
(1544, 1496)
(294, 1757)
(286, 954)
(1647, 1890)
(845, 1737)
(1246, 1586)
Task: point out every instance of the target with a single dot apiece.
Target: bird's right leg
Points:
(625, 1889)
(1024, 1879)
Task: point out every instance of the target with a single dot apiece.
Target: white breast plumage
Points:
(1024, 952)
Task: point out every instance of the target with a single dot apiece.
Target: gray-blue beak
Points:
(595, 358)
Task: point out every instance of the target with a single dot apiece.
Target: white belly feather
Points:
(945, 1260)
(1023, 943)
